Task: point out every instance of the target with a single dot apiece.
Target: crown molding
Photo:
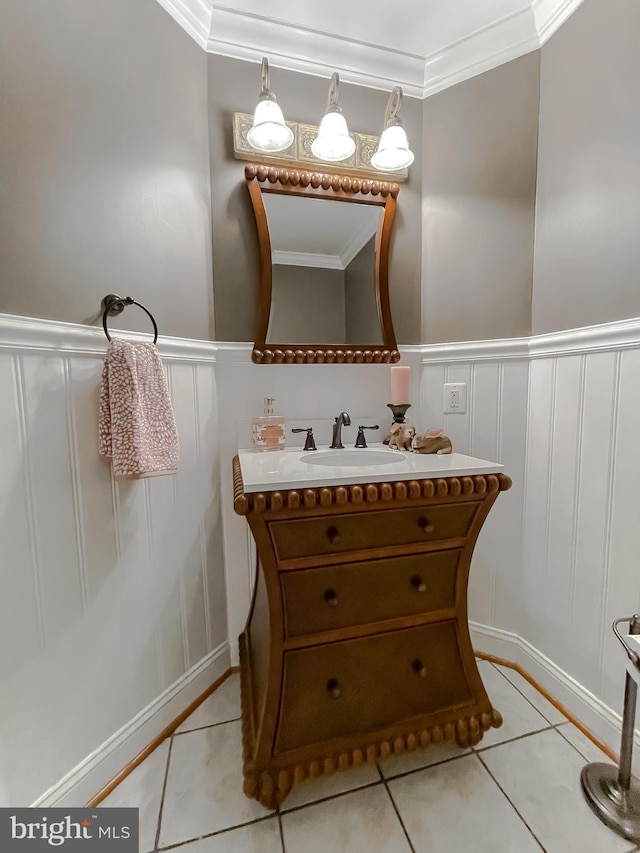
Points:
(194, 16)
(247, 36)
(480, 51)
(360, 238)
(551, 14)
(306, 259)
(322, 261)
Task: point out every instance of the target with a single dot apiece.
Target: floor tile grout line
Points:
(281, 831)
(582, 755)
(331, 797)
(508, 799)
(156, 842)
(479, 749)
(524, 696)
(395, 808)
(404, 773)
(508, 680)
(177, 844)
(207, 726)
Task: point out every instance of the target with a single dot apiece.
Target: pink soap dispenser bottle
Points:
(268, 430)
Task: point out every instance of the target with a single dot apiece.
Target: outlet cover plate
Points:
(454, 398)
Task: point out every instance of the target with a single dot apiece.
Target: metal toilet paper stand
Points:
(610, 791)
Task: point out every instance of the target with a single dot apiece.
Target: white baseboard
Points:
(494, 641)
(88, 777)
(601, 720)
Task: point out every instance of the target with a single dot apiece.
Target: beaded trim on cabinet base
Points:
(272, 788)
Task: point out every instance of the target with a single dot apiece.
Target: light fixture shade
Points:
(333, 142)
(393, 150)
(269, 132)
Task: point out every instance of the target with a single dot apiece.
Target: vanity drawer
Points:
(357, 686)
(305, 537)
(331, 597)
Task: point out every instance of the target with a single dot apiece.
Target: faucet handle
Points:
(309, 443)
(360, 439)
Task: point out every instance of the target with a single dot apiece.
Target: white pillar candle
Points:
(400, 385)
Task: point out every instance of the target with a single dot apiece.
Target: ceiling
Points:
(422, 45)
(317, 232)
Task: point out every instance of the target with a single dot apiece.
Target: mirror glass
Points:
(323, 271)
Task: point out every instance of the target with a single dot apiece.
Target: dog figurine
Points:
(432, 441)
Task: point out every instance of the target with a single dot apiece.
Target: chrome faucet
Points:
(343, 419)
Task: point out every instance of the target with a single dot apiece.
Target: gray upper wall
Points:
(234, 86)
(104, 164)
(480, 140)
(587, 254)
(116, 127)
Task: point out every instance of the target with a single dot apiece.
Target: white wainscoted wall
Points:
(559, 556)
(112, 605)
(581, 545)
(121, 602)
(493, 427)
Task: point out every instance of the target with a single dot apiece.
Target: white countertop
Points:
(287, 469)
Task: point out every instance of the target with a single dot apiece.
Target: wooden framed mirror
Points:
(324, 267)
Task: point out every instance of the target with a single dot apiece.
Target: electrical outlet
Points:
(454, 398)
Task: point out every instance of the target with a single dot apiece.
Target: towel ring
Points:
(114, 305)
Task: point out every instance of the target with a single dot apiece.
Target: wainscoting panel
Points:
(581, 535)
(493, 427)
(593, 500)
(504, 548)
(113, 591)
(558, 558)
(622, 554)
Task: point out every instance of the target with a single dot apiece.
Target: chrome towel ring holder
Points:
(113, 305)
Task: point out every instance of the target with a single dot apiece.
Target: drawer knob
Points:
(333, 536)
(333, 689)
(419, 668)
(418, 584)
(425, 525)
(330, 597)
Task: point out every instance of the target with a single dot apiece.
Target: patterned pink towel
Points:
(136, 424)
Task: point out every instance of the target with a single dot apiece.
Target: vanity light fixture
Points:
(269, 132)
(333, 142)
(393, 151)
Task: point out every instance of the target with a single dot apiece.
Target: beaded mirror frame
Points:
(270, 179)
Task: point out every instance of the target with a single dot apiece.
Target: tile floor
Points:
(518, 791)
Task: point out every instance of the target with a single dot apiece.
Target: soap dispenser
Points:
(268, 430)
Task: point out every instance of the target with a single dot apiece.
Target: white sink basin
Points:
(362, 458)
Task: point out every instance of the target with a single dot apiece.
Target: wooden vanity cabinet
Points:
(357, 643)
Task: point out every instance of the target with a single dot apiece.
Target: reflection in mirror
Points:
(324, 274)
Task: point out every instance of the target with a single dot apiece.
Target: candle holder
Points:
(399, 410)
